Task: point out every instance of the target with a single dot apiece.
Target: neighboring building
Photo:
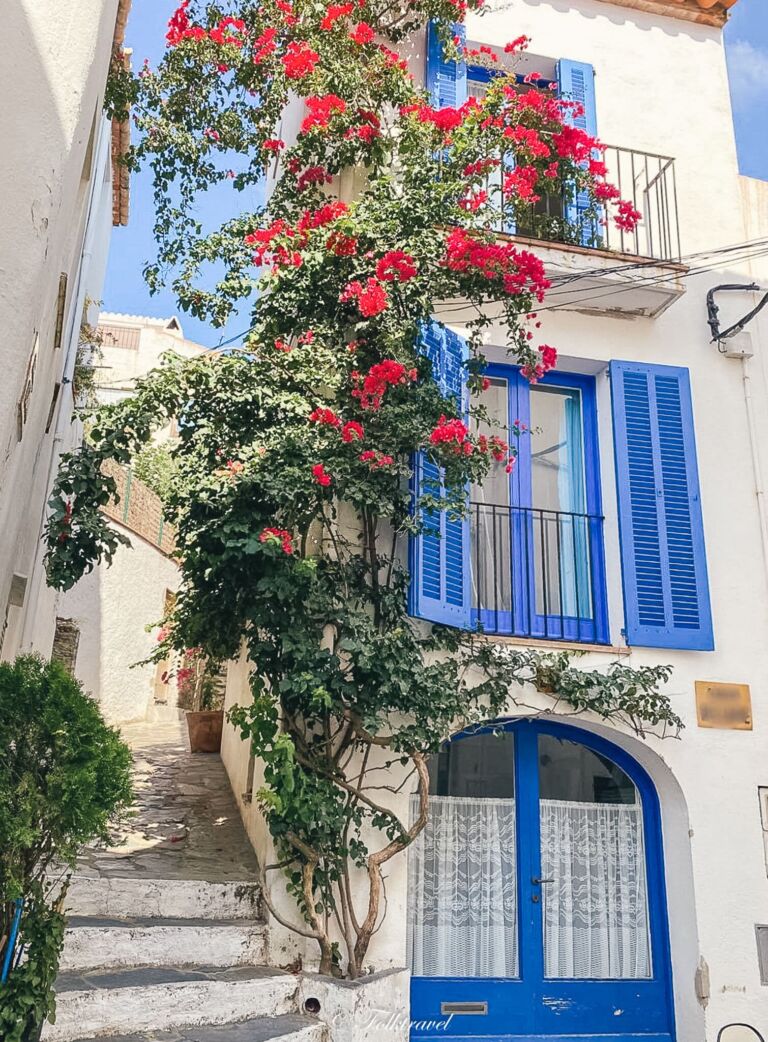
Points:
(61, 193)
(112, 614)
(630, 876)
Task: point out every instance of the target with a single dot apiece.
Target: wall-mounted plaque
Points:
(725, 706)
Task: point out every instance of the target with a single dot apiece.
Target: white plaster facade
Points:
(662, 88)
(57, 199)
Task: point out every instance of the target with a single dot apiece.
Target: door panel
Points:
(536, 894)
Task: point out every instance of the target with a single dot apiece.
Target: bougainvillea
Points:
(292, 504)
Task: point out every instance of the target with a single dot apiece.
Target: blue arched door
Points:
(536, 893)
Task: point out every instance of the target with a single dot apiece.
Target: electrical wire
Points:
(743, 251)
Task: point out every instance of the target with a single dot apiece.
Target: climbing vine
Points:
(291, 492)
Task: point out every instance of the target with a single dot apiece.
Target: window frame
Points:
(523, 620)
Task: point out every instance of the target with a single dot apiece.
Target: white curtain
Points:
(462, 886)
(596, 908)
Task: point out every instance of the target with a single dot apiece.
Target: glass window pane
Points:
(490, 517)
(559, 520)
(594, 889)
(462, 869)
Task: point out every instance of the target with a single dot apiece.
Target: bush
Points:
(64, 779)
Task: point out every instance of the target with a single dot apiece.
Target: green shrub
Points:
(64, 779)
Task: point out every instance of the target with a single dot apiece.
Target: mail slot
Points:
(464, 1009)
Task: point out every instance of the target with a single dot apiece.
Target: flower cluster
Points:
(278, 537)
(396, 265)
(547, 361)
(452, 432)
(519, 271)
(321, 476)
(370, 389)
(376, 459)
(371, 297)
(320, 110)
(299, 60)
(179, 29)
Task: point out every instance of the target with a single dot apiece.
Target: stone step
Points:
(264, 1029)
(111, 943)
(117, 897)
(150, 998)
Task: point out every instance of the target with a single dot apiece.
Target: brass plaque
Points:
(726, 706)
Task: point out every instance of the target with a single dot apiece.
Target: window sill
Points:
(614, 650)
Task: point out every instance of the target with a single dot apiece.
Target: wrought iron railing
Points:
(642, 178)
(538, 573)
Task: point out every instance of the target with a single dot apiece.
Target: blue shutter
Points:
(576, 82)
(446, 81)
(440, 588)
(664, 565)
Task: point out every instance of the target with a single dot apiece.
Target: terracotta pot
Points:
(205, 729)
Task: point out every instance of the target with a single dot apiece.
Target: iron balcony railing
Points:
(643, 178)
(538, 573)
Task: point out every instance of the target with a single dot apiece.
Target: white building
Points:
(60, 197)
(633, 891)
(110, 617)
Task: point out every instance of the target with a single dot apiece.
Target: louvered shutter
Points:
(576, 82)
(440, 589)
(664, 566)
(446, 80)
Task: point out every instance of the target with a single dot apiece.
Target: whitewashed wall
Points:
(56, 213)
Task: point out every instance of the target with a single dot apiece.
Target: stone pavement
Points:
(185, 823)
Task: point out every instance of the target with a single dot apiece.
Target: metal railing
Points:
(538, 573)
(642, 178)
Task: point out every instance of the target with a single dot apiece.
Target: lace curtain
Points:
(462, 908)
(462, 886)
(596, 910)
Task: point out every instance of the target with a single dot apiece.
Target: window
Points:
(537, 553)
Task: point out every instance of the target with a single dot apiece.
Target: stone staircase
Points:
(172, 960)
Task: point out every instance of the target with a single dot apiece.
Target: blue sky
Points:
(125, 290)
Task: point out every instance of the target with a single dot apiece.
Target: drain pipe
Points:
(762, 507)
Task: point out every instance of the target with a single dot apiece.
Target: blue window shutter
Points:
(446, 80)
(576, 82)
(664, 564)
(440, 587)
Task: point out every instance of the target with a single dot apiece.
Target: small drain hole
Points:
(312, 1005)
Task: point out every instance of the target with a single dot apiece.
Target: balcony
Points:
(594, 266)
(538, 573)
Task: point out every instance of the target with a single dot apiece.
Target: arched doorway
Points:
(537, 905)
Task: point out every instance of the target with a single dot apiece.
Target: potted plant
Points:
(200, 683)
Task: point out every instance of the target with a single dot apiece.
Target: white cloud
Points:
(747, 72)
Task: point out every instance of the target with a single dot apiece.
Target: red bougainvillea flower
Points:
(311, 219)
(606, 191)
(274, 144)
(628, 217)
(371, 388)
(548, 360)
(264, 46)
(517, 45)
(282, 345)
(334, 12)
(278, 536)
(313, 175)
(299, 60)
(234, 466)
(376, 459)
(518, 271)
(287, 11)
(362, 33)
(342, 245)
(521, 182)
(473, 201)
(321, 109)
(450, 432)
(211, 134)
(371, 298)
(352, 431)
(178, 24)
(396, 265)
(325, 416)
(446, 119)
(320, 475)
